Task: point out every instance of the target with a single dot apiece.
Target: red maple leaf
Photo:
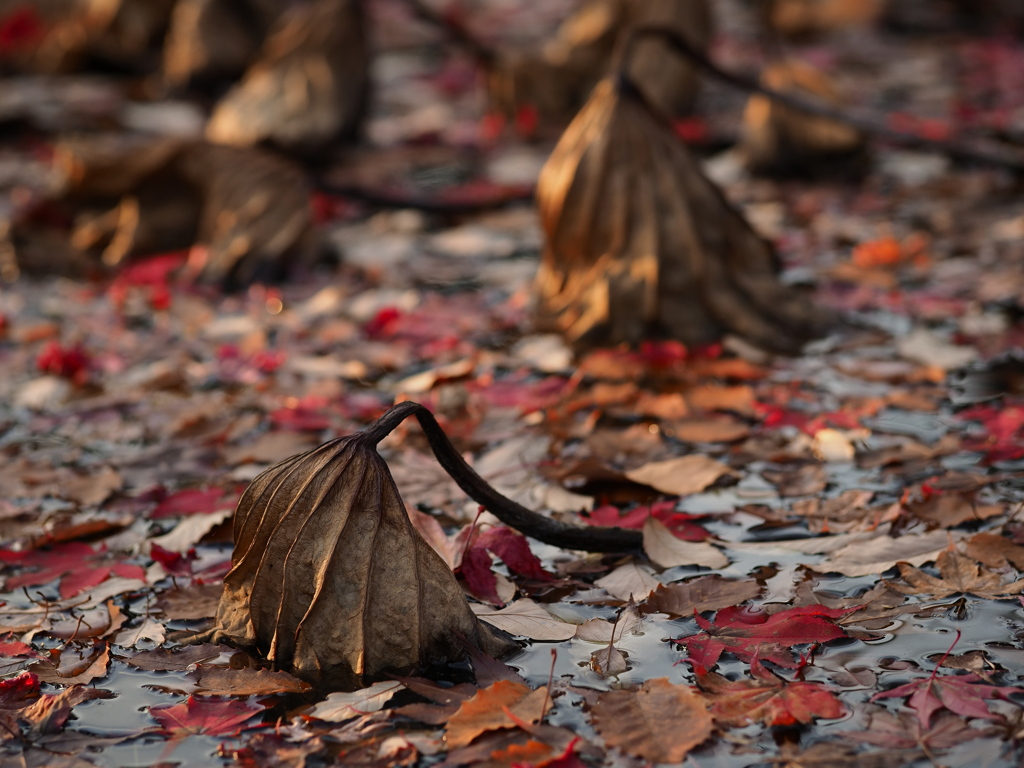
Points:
(680, 523)
(78, 566)
(749, 633)
(194, 501)
(214, 717)
(513, 550)
(175, 563)
(767, 699)
(67, 362)
(963, 694)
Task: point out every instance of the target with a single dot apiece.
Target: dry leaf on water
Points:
(628, 581)
(338, 707)
(668, 551)
(659, 722)
(499, 705)
(309, 86)
(767, 698)
(781, 139)
(639, 242)
(707, 593)
(330, 580)
(680, 476)
(959, 574)
(527, 618)
(995, 551)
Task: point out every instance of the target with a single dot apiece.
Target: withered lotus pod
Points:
(640, 243)
(330, 580)
(309, 85)
(781, 139)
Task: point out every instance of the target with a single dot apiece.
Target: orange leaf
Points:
(485, 711)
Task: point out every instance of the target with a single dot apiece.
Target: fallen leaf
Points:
(722, 430)
(628, 581)
(767, 699)
(832, 754)
(925, 347)
(94, 488)
(195, 601)
(227, 681)
(951, 509)
(49, 713)
(880, 553)
(149, 629)
(213, 717)
(609, 661)
(668, 551)
(645, 722)
(190, 530)
(195, 501)
(498, 706)
(959, 574)
(802, 481)
(78, 566)
(995, 551)
(963, 694)
(338, 707)
(176, 660)
(681, 476)
(74, 666)
(749, 633)
(707, 593)
(527, 618)
(902, 730)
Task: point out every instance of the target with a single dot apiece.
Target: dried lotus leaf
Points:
(780, 139)
(640, 243)
(667, 80)
(209, 39)
(331, 581)
(807, 18)
(309, 85)
(255, 212)
(556, 81)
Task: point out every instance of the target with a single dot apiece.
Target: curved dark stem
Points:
(485, 55)
(386, 199)
(953, 149)
(526, 521)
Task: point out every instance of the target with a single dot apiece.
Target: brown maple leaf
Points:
(833, 754)
(903, 730)
(645, 722)
(959, 574)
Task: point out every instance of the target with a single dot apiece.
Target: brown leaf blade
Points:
(660, 721)
(495, 707)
